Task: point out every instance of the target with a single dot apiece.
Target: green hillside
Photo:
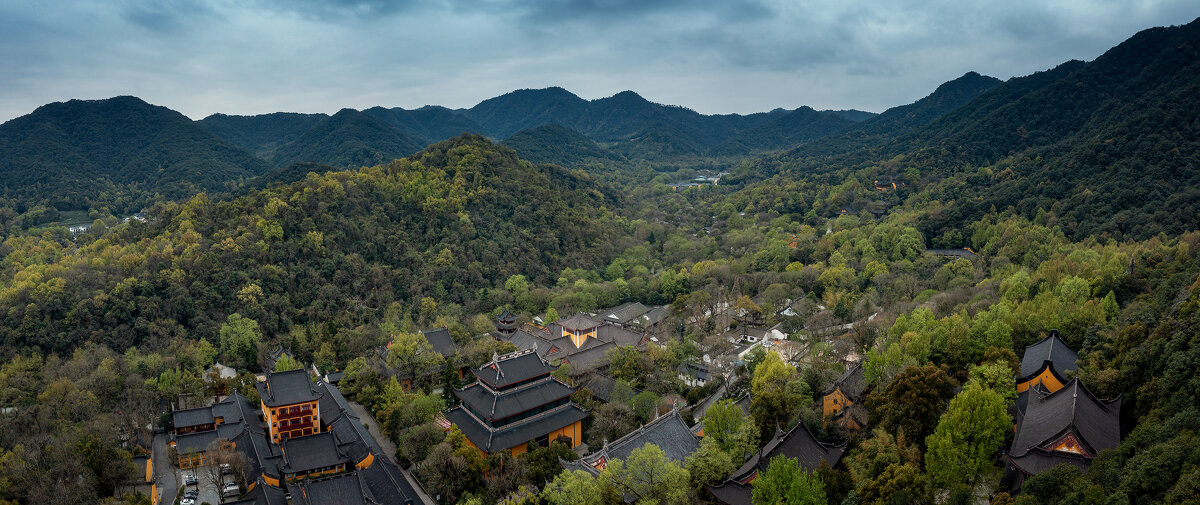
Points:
(118, 153)
(264, 133)
(348, 139)
(459, 216)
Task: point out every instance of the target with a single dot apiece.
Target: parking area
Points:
(197, 480)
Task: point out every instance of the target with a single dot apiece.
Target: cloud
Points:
(255, 56)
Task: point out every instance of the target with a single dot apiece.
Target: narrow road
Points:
(373, 428)
(388, 447)
(164, 473)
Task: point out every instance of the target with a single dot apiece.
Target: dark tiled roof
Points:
(1050, 349)
(697, 370)
(655, 316)
(592, 356)
(1039, 460)
(301, 454)
(492, 440)
(798, 443)
(343, 489)
(388, 485)
(851, 383)
(625, 313)
(578, 322)
(602, 386)
(1072, 409)
(515, 368)
(523, 340)
(441, 341)
(492, 405)
(193, 417)
(732, 493)
(668, 432)
(194, 442)
(619, 335)
(287, 388)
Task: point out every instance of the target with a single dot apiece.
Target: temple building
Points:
(1047, 362)
(668, 432)
(578, 341)
(289, 404)
(515, 400)
(319, 453)
(798, 443)
(842, 402)
(1067, 426)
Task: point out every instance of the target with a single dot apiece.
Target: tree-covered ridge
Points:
(264, 133)
(430, 123)
(342, 246)
(791, 129)
(1102, 147)
(348, 139)
(552, 143)
(119, 153)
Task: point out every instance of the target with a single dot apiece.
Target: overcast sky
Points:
(714, 56)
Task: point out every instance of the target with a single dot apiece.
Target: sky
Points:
(715, 56)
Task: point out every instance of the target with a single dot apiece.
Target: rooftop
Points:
(319, 450)
(578, 322)
(1072, 410)
(287, 388)
(511, 369)
(1050, 349)
(441, 341)
(851, 383)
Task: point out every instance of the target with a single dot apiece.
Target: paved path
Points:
(388, 447)
(164, 473)
(373, 428)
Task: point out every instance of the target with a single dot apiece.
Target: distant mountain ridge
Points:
(81, 153)
(348, 139)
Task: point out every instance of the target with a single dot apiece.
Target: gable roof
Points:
(625, 313)
(1052, 350)
(441, 341)
(311, 452)
(497, 439)
(499, 405)
(851, 383)
(797, 443)
(668, 432)
(192, 417)
(511, 369)
(287, 388)
(578, 322)
(1072, 409)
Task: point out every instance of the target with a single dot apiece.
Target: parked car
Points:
(187, 501)
(230, 489)
(191, 480)
(226, 469)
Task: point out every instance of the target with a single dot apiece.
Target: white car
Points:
(230, 489)
(187, 501)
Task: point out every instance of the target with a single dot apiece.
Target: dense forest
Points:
(1073, 189)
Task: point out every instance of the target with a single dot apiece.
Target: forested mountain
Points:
(288, 174)
(117, 152)
(1101, 147)
(342, 246)
(430, 123)
(348, 139)
(264, 133)
(552, 143)
(787, 131)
